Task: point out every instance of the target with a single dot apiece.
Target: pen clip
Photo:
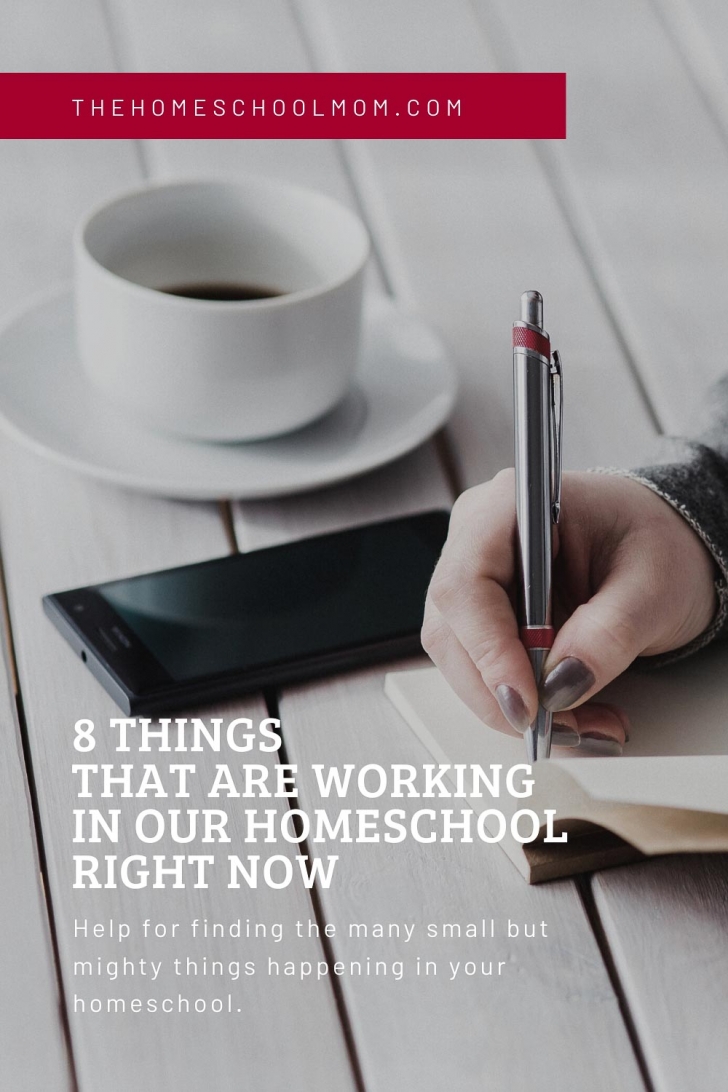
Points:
(557, 435)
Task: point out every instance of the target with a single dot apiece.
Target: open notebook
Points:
(668, 793)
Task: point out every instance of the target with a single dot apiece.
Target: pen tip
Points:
(532, 308)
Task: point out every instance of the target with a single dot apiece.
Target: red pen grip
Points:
(537, 637)
(524, 338)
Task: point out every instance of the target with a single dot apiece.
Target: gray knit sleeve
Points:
(692, 476)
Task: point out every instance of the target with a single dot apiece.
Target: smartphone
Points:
(236, 624)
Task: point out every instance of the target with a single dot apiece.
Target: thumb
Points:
(598, 642)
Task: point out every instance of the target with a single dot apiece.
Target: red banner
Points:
(283, 105)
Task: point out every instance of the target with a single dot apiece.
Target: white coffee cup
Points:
(212, 369)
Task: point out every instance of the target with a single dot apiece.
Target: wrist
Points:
(711, 601)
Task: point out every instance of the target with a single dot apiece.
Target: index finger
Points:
(470, 589)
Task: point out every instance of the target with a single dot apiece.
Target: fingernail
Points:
(599, 746)
(562, 735)
(513, 707)
(565, 684)
(624, 720)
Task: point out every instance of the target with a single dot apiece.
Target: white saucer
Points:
(404, 391)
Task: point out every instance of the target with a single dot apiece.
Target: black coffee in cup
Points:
(263, 335)
(222, 290)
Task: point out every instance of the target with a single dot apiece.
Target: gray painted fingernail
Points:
(562, 735)
(568, 682)
(599, 747)
(513, 707)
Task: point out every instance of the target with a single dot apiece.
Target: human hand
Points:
(631, 578)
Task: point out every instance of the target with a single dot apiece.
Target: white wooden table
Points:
(625, 230)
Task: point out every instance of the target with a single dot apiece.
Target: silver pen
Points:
(538, 414)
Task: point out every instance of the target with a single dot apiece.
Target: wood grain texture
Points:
(175, 1054)
(667, 923)
(625, 179)
(227, 37)
(697, 29)
(643, 172)
(451, 205)
(59, 530)
(123, 534)
(34, 206)
(472, 224)
(413, 484)
(32, 1047)
(272, 1035)
(405, 1036)
(431, 1031)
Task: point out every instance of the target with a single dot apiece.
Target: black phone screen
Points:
(286, 603)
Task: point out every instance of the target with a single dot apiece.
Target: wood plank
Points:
(697, 29)
(643, 176)
(31, 1036)
(432, 1032)
(666, 924)
(32, 1044)
(642, 154)
(231, 37)
(405, 1036)
(280, 1020)
(679, 983)
(474, 224)
(58, 531)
